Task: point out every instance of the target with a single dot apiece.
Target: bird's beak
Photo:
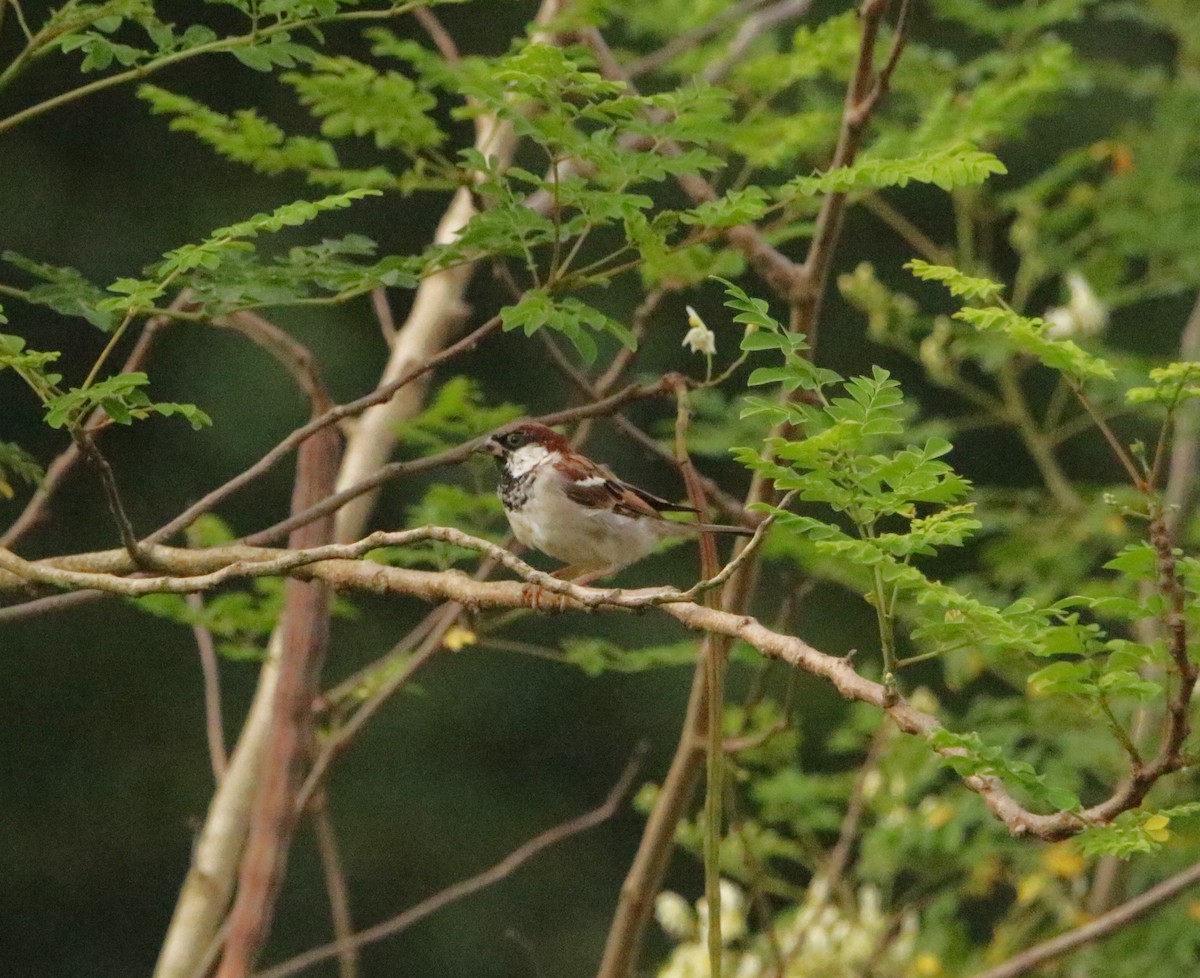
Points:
(489, 446)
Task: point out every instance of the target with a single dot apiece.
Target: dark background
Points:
(104, 773)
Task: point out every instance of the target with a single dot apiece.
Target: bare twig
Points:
(437, 33)
(296, 358)
(210, 670)
(751, 28)
(1097, 929)
(273, 457)
(644, 878)
(839, 855)
(383, 313)
(335, 886)
(690, 39)
(112, 495)
(443, 618)
(489, 877)
(862, 98)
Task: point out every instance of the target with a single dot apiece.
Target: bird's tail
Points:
(708, 528)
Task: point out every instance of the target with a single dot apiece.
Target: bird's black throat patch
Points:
(514, 490)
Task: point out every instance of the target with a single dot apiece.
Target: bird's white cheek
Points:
(524, 459)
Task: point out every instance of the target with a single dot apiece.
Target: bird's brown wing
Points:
(600, 489)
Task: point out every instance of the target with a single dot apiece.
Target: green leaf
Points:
(596, 656)
(735, 207)
(1028, 335)
(569, 316)
(958, 283)
(16, 464)
(122, 398)
(954, 166)
(65, 291)
(1171, 385)
(354, 99)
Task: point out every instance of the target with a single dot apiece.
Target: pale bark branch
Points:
(201, 569)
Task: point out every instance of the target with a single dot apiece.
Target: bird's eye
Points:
(510, 440)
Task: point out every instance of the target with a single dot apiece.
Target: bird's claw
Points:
(542, 600)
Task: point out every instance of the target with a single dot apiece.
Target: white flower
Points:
(1083, 315)
(674, 915)
(733, 912)
(699, 339)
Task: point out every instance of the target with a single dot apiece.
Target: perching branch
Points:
(197, 570)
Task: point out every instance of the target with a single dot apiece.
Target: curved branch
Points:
(197, 570)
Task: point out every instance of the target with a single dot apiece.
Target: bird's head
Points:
(513, 437)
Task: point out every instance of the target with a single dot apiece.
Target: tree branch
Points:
(1095, 930)
(204, 569)
(504, 868)
(305, 628)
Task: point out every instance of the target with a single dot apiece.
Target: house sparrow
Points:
(570, 508)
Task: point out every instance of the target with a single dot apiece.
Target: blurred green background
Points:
(105, 773)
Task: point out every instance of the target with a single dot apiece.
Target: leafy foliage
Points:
(953, 166)
(456, 413)
(16, 464)
(1015, 591)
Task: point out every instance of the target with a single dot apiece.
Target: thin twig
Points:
(332, 416)
(335, 887)
(210, 670)
(750, 29)
(61, 467)
(438, 34)
(465, 888)
(296, 358)
(691, 39)
(445, 616)
(863, 95)
(839, 855)
(112, 495)
(383, 313)
(1097, 929)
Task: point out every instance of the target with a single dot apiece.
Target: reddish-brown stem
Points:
(305, 635)
(862, 98)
